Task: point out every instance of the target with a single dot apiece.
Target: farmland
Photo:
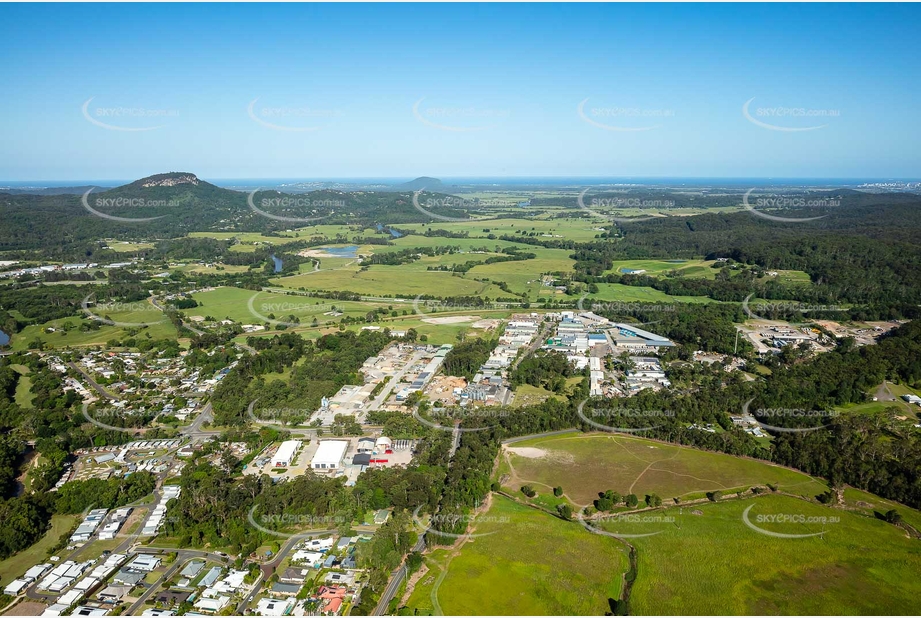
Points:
(710, 562)
(66, 332)
(530, 564)
(587, 464)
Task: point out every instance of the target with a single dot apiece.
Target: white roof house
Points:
(145, 562)
(15, 587)
(212, 605)
(285, 453)
(329, 455)
(273, 607)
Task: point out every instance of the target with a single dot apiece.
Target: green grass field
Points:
(129, 247)
(159, 327)
(233, 303)
(390, 280)
(16, 565)
(630, 294)
(870, 505)
(23, 396)
(710, 562)
(530, 564)
(585, 464)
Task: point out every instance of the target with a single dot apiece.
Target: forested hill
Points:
(63, 227)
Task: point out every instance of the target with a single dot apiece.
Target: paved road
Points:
(396, 578)
(102, 392)
(182, 557)
(538, 340)
(385, 392)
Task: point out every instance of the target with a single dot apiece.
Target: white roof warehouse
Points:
(330, 454)
(285, 454)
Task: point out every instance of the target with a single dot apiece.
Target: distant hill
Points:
(69, 226)
(423, 182)
(170, 179)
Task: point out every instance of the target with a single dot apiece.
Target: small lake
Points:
(4, 338)
(350, 251)
(278, 264)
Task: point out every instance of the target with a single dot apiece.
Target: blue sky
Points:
(496, 90)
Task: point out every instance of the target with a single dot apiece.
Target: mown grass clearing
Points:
(629, 293)
(585, 464)
(67, 330)
(708, 561)
(530, 564)
(23, 396)
(390, 281)
(16, 565)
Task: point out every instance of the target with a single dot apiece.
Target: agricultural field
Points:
(585, 464)
(128, 247)
(619, 292)
(390, 281)
(579, 229)
(67, 333)
(234, 303)
(874, 506)
(530, 564)
(708, 561)
(686, 268)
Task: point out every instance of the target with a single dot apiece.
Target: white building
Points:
(285, 453)
(329, 455)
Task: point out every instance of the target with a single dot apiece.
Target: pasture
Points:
(390, 281)
(708, 561)
(530, 564)
(234, 303)
(66, 331)
(585, 464)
